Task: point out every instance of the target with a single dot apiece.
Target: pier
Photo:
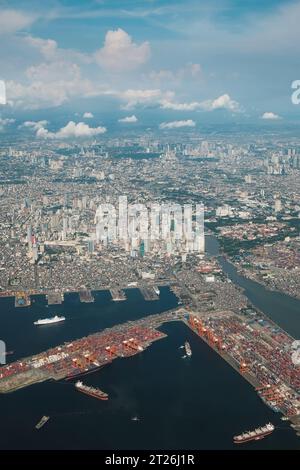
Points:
(117, 295)
(149, 293)
(55, 298)
(86, 296)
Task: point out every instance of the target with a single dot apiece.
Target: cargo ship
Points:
(270, 404)
(48, 321)
(255, 435)
(92, 391)
(188, 350)
(42, 422)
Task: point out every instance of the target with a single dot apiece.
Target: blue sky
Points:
(187, 60)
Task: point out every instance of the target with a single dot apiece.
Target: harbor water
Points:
(186, 403)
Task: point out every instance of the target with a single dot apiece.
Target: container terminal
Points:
(87, 354)
(261, 354)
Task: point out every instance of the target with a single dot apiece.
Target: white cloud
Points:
(187, 72)
(270, 115)
(71, 130)
(165, 104)
(35, 125)
(88, 115)
(129, 119)
(12, 21)
(143, 97)
(49, 84)
(2, 92)
(47, 47)
(223, 102)
(120, 52)
(176, 124)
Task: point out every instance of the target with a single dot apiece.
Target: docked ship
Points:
(156, 290)
(271, 404)
(255, 435)
(48, 321)
(188, 350)
(92, 391)
(42, 422)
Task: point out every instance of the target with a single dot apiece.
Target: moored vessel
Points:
(48, 321)
(256, 435)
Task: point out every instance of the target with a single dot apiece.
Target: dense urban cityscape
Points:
(149, 238)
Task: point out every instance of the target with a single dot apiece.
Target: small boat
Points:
(42, 422)
(135, 418)
(188, 350)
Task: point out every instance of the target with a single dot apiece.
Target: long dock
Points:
(86, 354)
(262, 355)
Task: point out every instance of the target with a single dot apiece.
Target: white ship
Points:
(188, 350)
(48, 321)
(156, 290)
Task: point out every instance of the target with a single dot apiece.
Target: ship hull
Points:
(252, 438)
(188, 350)
(77, 375)
(51, 322)
(94, 395)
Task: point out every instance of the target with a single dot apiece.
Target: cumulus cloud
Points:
(88, 115)
(120, 52)
(129, 119)
(71, 130)
(223, 102)
(49, 84)
(145, 97)
(270, 115)
(12, 21)
(35, 125)
(176, 124)
(47, 47)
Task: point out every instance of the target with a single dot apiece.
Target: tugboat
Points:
(135, 418)
(188, 350)
(42, 422)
